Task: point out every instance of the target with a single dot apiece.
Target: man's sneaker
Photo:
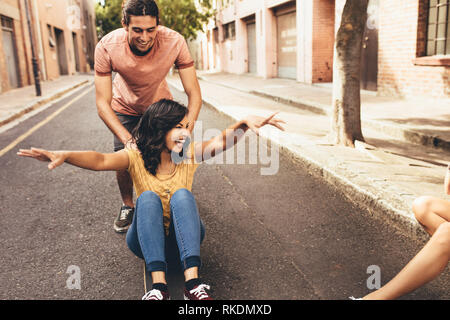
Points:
(124, 219)
(156, 295)
(198, 293)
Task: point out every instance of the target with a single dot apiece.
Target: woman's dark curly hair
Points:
(150, 132)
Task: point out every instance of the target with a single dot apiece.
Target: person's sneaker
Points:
(156, 294)
(124, 219)
(353, 298)
(198, 293)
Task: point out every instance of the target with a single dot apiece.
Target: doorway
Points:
(9, 47)
(369, 54)
(76, 53)
(61, 51)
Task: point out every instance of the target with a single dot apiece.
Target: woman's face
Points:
(177, 136)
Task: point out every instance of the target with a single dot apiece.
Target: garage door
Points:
(287, 45)
(251, 40)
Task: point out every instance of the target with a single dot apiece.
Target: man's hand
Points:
(256, 122)
(56, 158)
(130, 144)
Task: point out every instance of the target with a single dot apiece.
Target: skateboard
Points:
(147, 279)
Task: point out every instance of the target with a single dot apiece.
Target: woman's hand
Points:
(56, 158)
(256, 122)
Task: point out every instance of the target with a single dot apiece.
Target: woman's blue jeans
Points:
(146, 237)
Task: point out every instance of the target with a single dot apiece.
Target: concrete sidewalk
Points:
(18, 102)
(420, 121)
(383, 175)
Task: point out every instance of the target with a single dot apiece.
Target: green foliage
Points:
(108, 17)
(187, 17)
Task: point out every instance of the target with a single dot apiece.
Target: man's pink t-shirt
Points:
(140, 80)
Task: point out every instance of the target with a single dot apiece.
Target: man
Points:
(142, 53)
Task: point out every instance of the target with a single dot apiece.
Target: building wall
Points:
(323, 39)
(70, 16)
(401, 39)
(315, 34)
(12, 9)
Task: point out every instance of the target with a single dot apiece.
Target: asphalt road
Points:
(282, 236)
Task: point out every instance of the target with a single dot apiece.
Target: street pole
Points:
(34, 60)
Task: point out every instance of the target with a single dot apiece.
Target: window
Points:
(438, 28)
(229, 31)
(51, 38)
(7, 23)
(227, 3)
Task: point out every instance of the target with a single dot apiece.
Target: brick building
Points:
(406, 48)
(64, 36)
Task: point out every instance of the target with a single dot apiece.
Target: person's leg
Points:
(125, 216)
(146, 237)
(431, 212)
(424, 267)
(188, 231)
(125, 187)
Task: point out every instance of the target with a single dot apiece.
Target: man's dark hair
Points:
(139, 8)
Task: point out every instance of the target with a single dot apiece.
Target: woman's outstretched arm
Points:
(231, 135)
(90, 160)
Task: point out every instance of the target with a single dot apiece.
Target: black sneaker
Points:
(124, 219)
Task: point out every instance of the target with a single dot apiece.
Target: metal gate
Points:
(369, 54)
(10, 52)
(251, 43)
(287, 45)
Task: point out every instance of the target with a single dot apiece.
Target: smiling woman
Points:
(165, 206)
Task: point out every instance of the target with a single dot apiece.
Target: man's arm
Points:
(191, 86)
(103, 94)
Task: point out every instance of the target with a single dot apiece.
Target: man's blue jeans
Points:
(146, 237)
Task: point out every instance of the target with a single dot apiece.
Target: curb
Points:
(397, 215)
(396, 131)
(41, 101)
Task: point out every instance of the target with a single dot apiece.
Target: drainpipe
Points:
(39, 36)
(37, 81)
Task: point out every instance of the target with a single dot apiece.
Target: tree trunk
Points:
(346, 125)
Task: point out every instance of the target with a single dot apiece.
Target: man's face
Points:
(141, 32)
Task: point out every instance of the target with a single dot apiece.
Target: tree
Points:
(346, 114)
(187, 17)
(108, 17)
